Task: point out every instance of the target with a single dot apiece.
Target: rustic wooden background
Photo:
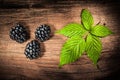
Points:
(57, 13)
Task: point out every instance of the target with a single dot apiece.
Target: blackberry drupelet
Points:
(43, 33)
(19, 33)
(32, 49)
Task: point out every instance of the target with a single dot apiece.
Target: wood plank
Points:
(14, 64)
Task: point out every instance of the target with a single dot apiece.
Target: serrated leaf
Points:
(101, 31)
(87, 19)
(93, 48)
(72, 29)
(72, 50)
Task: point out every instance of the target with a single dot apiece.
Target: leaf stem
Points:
(85, 35)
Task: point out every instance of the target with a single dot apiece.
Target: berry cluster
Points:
(42, 33)
(32, 50)
(20, 34)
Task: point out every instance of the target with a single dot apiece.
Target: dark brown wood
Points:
(57, 13)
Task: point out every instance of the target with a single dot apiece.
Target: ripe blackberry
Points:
(32, 49)
(19, 33)
(42, 33)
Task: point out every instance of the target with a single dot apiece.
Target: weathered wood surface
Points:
(57, 13)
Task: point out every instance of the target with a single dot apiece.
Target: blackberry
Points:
(32, 49)
(43, 32)
(19, 33)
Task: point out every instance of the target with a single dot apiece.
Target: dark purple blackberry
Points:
(43, 32)
(19, 33)
(32, 49)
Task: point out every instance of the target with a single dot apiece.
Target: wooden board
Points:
(15, 66)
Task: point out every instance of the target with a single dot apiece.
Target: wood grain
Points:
(15, 66)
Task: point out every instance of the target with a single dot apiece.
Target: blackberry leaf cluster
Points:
(82, 38)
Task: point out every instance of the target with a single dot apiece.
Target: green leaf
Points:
(72, 50)
(101, 31)
(72, 29)
(93, 48)
(87, 19)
